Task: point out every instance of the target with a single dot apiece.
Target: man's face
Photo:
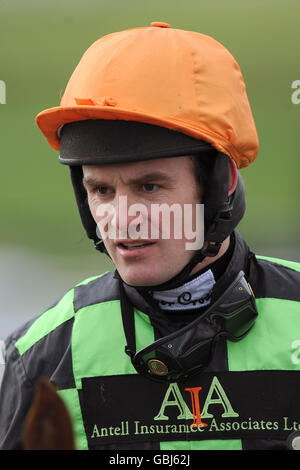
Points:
(143, 251)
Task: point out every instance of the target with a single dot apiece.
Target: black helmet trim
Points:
(98, 142)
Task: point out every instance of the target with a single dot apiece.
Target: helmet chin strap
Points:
(180, 278)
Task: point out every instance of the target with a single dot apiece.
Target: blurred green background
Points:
(40, 44)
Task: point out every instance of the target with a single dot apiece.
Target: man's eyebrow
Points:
(154, 176)
(93, 182)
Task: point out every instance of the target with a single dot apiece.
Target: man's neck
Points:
(207, 261)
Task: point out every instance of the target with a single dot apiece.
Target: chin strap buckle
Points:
(129, 352)
(211, 249)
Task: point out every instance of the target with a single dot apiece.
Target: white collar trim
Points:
(191, 295)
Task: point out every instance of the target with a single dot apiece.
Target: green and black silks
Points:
(246, 398)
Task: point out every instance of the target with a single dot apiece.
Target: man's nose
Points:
(129, 214)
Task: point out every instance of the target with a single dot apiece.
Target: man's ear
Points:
(233, 176)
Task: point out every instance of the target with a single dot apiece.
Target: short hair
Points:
(202, 164)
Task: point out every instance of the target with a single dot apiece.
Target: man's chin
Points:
(142, 281)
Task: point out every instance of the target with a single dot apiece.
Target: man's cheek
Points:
(92, 206)
(103, 214)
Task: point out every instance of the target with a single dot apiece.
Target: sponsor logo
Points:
(215, 389)
(230, 405)
(174, 399)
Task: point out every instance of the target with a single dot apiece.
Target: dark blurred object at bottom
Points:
(48, 424)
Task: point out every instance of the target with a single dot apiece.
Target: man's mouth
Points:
(132, 246)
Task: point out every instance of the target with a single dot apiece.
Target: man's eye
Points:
(102, 190)
(150, 187)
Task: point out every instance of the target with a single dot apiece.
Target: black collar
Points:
(239, 261)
